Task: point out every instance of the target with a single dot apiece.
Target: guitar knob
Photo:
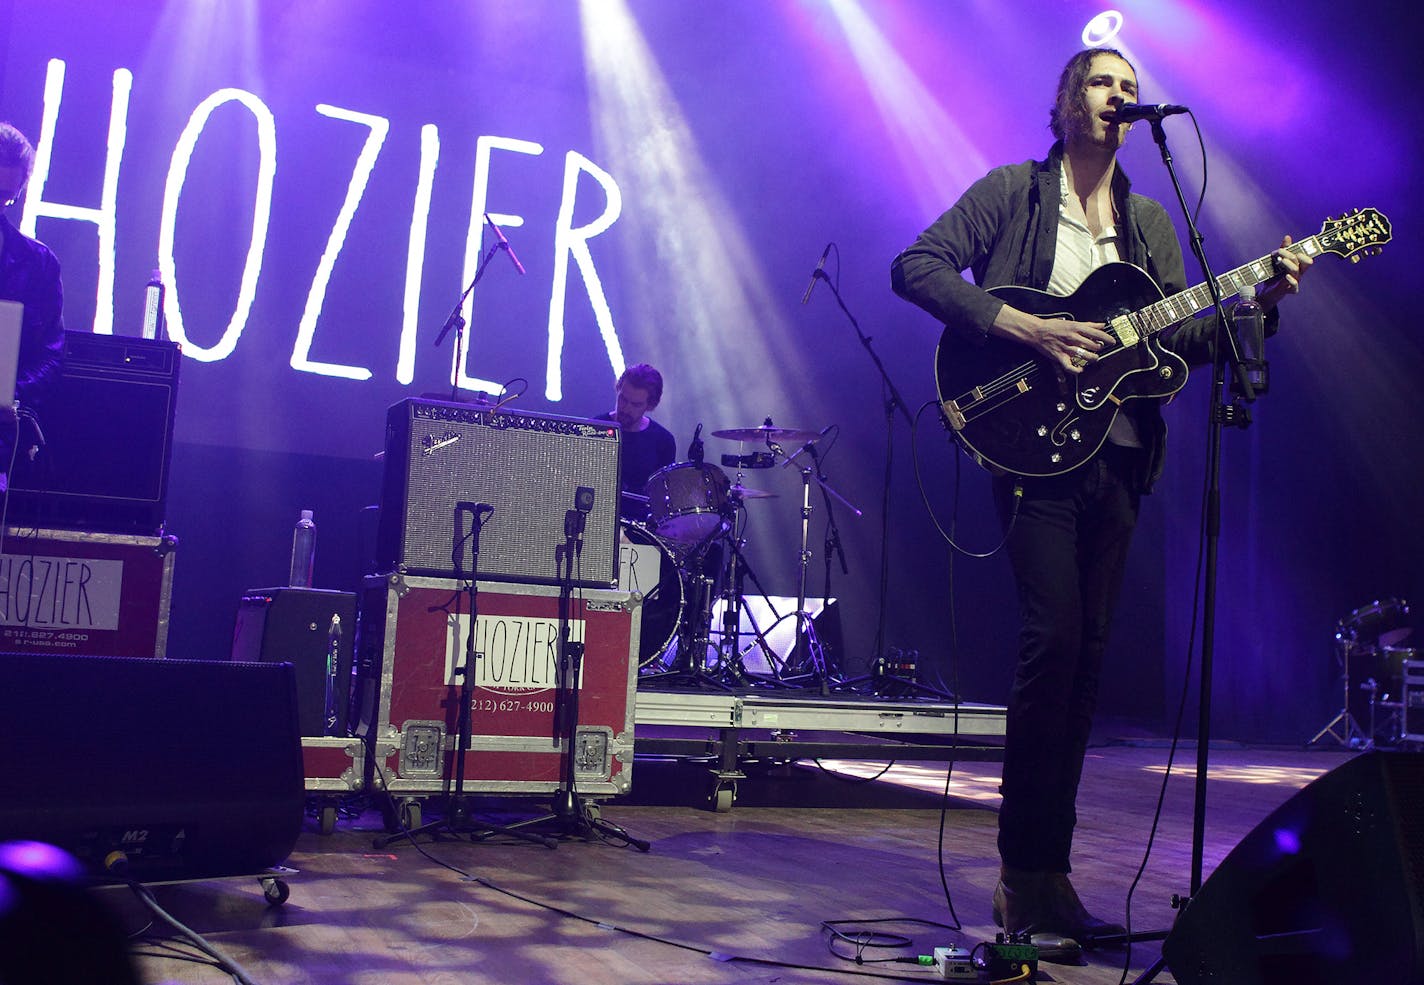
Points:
(1055, 458)
(1061, 407)
(1165, 372)
(1042, 431)
(1075, 434)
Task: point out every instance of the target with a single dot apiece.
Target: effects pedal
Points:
(953, 964)
(1008, 955)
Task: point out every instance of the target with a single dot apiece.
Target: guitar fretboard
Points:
(1179, 307)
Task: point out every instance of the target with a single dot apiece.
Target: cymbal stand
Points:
(1350, 736)
(733, 607)
(808, 663)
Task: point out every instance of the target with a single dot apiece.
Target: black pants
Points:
(1068, 551)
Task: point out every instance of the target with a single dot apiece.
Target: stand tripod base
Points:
(1350, 736)
(458, 823)
(571, 817)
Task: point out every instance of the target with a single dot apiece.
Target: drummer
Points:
(647, 445)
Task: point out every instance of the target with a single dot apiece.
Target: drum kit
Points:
(1372, 663)
(687, 561)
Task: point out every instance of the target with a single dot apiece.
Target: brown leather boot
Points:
(1067, 913)
(1019, 908)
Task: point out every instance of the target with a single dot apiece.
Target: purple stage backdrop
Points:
(311, 180)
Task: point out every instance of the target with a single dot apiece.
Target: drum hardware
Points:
(1364, 637)
(808, 663)
(693, 637)
(756, 460)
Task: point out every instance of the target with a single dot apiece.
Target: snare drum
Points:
(647, 566)
(686, 501)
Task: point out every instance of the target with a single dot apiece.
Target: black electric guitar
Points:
(1018, 412)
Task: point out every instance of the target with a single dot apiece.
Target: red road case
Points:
(412, 640)
(92, 594)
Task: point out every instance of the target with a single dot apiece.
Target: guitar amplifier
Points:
(442, 459)
(108, 432)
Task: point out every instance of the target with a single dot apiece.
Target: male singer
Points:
(1047, 225)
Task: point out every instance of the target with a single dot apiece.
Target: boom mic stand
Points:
(571, 814)
(893, 403)
(1227, 353)
(457, 820)
(457, 321)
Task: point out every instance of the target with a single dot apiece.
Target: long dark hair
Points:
(1069, 106)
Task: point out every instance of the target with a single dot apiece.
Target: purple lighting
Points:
(1288, 841)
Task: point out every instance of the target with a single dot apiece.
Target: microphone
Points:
(816, 274)
(504, 244)
(694, 450)
(809, 446)
(1132, 112)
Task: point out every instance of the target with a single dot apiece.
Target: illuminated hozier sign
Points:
(570, 242)
(60, 593)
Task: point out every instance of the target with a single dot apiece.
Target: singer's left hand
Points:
(1292, 267)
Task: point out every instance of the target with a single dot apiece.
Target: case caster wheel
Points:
(722, 796)
(326, 819)
(276, 891)
(410, 814)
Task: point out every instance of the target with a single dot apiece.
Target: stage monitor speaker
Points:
(108, 438)
(191, 768)
(1327, 889)
(313, 629)
(444, 458)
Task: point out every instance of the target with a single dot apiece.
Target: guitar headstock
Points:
(1355, 235)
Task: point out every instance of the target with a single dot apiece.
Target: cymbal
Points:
(766, 433)
(747, 492)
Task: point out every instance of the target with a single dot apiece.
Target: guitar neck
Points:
(1179, 307)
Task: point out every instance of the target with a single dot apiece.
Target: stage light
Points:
(1100, 31)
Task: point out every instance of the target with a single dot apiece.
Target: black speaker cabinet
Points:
(108, 433)
(1327, 889)
(313, 629)
(442, 459)
(191, 768)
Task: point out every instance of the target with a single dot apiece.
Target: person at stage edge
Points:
(29, 274)
(647, 445)
(1046, 225)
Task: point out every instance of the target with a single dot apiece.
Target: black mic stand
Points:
(1227, 354)
(457, 820)
(571, 813)
(893, 403)
(457, 322)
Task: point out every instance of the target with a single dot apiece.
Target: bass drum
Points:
(646, 565)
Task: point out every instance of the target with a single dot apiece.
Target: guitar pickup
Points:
(1122, 328)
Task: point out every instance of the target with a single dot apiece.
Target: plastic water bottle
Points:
(153, 307)
(1250, 321)
(303, 551)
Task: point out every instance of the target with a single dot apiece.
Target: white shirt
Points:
(1076, 256)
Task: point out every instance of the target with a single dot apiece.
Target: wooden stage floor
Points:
(721, 897)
